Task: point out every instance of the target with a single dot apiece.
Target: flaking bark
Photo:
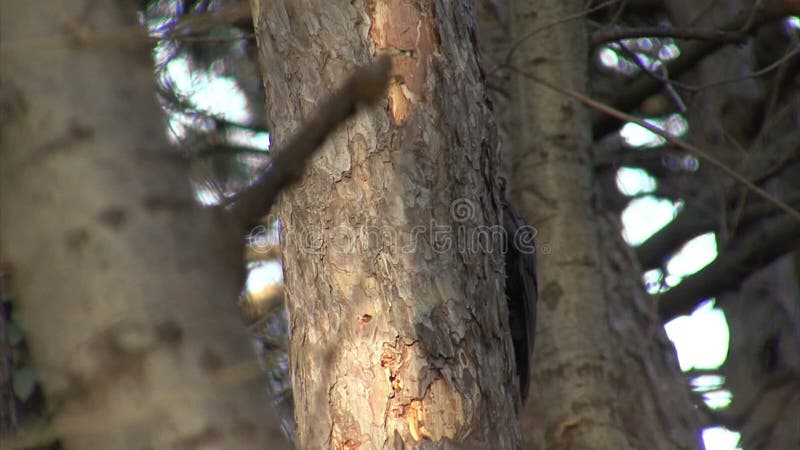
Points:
(398, 320)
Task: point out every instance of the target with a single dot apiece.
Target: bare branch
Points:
(197, 23)
(187, 30)
(728, 37)
(692, 222)
(770, 240)
(702, 154)
(745, 22)
(695, 220)
(365, 86)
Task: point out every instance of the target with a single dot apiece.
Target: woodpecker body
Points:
(521, 290)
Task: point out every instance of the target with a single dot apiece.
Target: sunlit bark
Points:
(399, 329)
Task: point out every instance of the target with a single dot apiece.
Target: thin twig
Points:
(194, 24)
(759, 73)
(214, 40)
(696, 218)
(618, 14)
(668, 83)
(602, 36)
(536, 31)
(702, 154)
(756, 248)
(694, 52)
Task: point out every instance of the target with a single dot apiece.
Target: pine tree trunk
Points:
(399, 331)
(605, 376)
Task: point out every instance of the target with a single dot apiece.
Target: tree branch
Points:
(610, 35)
(745, 22)
(692, 222)
(365, 86)
(768, 241)
(695, 220)
(702, 154)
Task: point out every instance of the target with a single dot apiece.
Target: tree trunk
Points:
(127, 290)
(605, 377)
(399, 330)
(574, 369)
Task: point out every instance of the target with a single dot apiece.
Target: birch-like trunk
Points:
(605, 376)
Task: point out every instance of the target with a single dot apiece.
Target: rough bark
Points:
(127, 290)
(605, 375)
(399, 334)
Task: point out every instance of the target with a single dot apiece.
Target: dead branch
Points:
(700, 153)
(746, 22)
(755, 249)
(695, 220)
(692, 222)
(727, 37)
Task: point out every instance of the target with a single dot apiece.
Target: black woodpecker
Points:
(521, 288)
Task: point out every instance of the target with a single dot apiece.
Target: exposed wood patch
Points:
(406, 33)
